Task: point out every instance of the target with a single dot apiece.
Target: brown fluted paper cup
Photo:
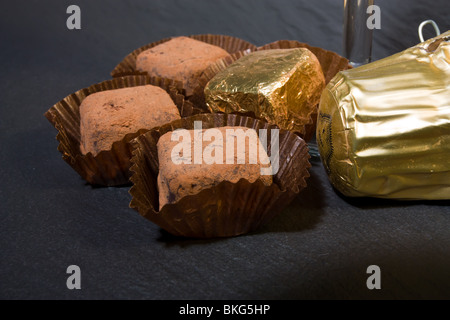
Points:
(109, 167)
(226, 209)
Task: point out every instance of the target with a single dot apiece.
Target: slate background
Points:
(318, 248)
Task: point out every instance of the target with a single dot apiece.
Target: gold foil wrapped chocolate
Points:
(384, 128)
(281, 86)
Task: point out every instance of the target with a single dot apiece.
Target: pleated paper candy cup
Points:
(108, 167)
(226, 209)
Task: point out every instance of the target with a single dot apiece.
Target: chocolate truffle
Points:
(180, 58)
(191, 162)
(282, 86)
(107, 116)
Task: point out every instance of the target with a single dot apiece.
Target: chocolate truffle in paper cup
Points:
(208, 201)
(180, 58)
(108, 116)
(95, 124)
(384, 128)
(282, 86)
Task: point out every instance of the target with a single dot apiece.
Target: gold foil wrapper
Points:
(281, 86)
(384, 128)
(198, 97)
(330, 61)
(331, 64)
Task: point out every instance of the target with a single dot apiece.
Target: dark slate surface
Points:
(317, 248)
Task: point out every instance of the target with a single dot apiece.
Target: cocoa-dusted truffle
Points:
(107, 116)
(180, 58)
(183, 170)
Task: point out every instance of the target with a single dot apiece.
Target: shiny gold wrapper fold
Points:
(198, 97)
(109, 167)
(227, 209)
(384, 128)
(282, 86)
(330, 61)
(331, 64)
